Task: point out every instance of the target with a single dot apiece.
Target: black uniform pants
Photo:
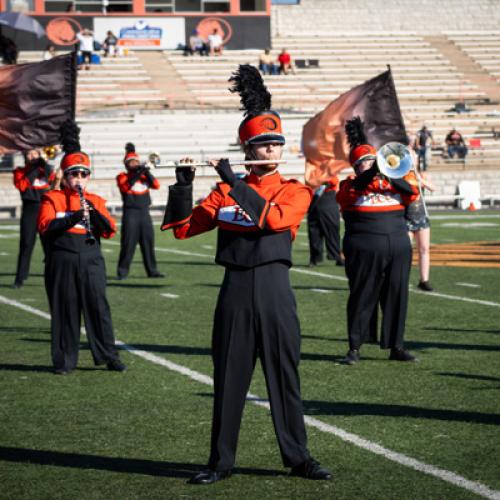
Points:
(256, 316)
(323, 225)
(137, 227)
(27, 239)
(378, 269)
(76, 283)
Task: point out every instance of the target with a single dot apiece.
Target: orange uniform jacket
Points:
(378, 207)
(135, 189)
(32, 187)
(61, 205)
(257, 218)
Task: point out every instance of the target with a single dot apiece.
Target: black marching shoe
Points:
(425, 286)
(209, 476)
(61, 371)
(156, 275)
(401, 355)
(116, 365)
(351, 357)
(311, 469)
(17, 284)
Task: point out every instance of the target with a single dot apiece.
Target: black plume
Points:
(129, 148)
(70, 137)
(354, 129)
(255, 97)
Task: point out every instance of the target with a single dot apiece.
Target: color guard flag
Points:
(35, 99)
(324, 141)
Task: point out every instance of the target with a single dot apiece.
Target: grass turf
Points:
(97, 434)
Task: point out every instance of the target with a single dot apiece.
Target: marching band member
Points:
(323, 224)
(32, 181)
(137, 226)
(75, 275)
(376, 247)
(257, 218)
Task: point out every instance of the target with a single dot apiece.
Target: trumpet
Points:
(178, 164)
(89, 237)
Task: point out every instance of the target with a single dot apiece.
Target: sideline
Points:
(443, 474)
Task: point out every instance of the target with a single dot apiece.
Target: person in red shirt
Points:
(376, 247)
(32, 181)
(256, 218)
(285, 61)
(137, 226)
(75, 275)
(323, 224)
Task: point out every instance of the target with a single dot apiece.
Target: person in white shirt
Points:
(215, 43)
(86, 41)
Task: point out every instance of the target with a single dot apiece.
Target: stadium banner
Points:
(142, 33)
(238, 32)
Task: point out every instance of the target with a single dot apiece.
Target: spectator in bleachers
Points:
(110, 44)
(196, 44)
(423, 147)
(215, 43)
(86, 41)
(285, 61)
(266, 63)
(49, 52)
(455, 144)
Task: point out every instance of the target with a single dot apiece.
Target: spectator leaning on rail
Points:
(423, 147)
(455, 144)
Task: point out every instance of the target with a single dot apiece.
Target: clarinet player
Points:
(72, 221)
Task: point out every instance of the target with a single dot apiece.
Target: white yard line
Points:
(470, 285)
(443, 474)
(169, 295)
(339, 278)
(320, 290)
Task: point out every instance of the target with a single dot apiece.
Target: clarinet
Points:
(89, 237)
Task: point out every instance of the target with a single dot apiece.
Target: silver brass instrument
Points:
(89, 237)
(176, 164)
(394, 160)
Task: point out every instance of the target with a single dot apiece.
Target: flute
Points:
(89, 237)
(177, 164)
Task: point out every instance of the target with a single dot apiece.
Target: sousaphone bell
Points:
(394, 160)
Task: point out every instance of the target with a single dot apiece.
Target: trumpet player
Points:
(75, 274)
(257, 218)
(376, 247)
(32, 181)
(137, 226)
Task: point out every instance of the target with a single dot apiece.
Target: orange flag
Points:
(324, 141)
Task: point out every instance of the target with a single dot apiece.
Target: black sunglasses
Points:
(79, 173)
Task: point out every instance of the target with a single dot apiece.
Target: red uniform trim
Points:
(287, 204)
(22, 182)
(66, 202)
(378, 196)
(122, 180)
(173, 224)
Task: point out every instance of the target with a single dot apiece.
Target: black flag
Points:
(324, 140)
(35, 99)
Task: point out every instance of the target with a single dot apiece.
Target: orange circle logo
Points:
(269, 124)
(63, 30)
(209, 24)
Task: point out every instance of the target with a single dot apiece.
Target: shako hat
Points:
(261, 124)
(73, 159)
(360, 149)
(130, 153)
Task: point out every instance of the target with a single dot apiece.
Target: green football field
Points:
(387, 430)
